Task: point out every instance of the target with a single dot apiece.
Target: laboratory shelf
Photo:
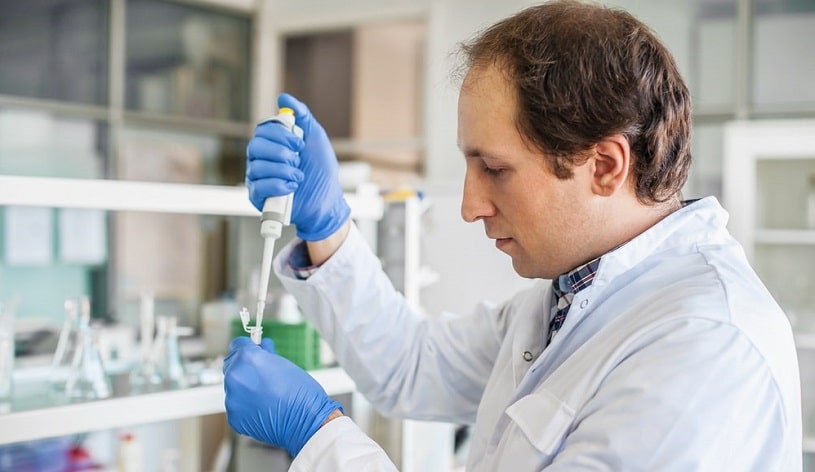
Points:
(66, 419)
(160, 197)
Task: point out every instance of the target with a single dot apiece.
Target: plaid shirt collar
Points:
(576, 280)
(564, 289)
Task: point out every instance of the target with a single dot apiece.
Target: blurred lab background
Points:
(168, 91)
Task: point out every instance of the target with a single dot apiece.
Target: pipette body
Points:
(276, 213)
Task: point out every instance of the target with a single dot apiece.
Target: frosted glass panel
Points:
(187, 61)
(714, 72)
(38, 143)
(55, 49)
(783, 187)
(784, 63)
(166, 156)
(701, 37)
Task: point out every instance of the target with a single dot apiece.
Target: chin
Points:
(524, 270)
(530, 270)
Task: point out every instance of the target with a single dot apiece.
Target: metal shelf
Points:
(138, 409)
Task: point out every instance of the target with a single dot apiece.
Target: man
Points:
(655, 346)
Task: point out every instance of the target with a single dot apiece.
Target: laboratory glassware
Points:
(87, 379)
(67, 342)
(144, 373)
(166, 355)
(6, 356)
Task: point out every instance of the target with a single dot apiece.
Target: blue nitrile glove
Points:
(270, 398)
(279, 163)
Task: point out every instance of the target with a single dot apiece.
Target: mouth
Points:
(501, 243)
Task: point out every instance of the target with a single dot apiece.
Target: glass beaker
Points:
(166, 354)
(87, 379)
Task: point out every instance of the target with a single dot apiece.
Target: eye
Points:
(494, 171)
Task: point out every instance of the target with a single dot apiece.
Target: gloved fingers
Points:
(246, 367)
(259, 170)
(260, 190)
(228, 361)
(302, 116)
(274, 131)
(301, 110)
(234, 367)
(268, 345)
(238, 343)
(232, 418)
(235, 405)
(264, 149)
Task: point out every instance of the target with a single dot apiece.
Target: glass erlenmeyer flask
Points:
(87, 379)
(66, 347)
(166, 355)
(144, 374)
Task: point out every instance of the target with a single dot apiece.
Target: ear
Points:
(611, 160)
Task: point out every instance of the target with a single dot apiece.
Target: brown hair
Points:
(583, 72)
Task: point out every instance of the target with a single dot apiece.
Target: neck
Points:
(626, 222)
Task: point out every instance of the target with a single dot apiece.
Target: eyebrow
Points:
(476, 153)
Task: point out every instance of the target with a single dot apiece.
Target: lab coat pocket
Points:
(543, 419)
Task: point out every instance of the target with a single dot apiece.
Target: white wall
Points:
(450, 22)
(470, 268)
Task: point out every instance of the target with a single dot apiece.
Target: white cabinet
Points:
(769, 190)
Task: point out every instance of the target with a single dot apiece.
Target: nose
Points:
(475, 203)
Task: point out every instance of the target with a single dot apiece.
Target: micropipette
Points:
(276, 213)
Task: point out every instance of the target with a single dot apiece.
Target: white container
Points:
(129, 454)
(287, 309)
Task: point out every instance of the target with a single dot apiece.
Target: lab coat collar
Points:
(701, 220)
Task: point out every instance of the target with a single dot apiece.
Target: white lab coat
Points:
(676, 358)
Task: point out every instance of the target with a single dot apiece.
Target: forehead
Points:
(487, 88)
(487, 112)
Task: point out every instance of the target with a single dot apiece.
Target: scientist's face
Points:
(534, 217)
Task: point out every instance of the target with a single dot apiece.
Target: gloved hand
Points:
(271, 399)
(279, 163)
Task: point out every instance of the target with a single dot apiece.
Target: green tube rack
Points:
(297, 342)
